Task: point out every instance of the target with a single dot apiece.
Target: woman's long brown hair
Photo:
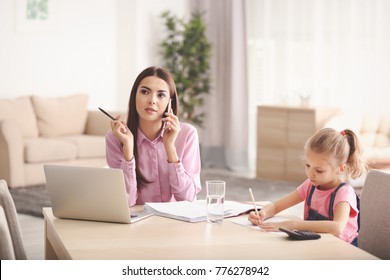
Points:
(133, 117)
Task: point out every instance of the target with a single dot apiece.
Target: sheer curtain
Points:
(324, 52)
(224, 138)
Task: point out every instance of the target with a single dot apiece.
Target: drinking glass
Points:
(215, 197)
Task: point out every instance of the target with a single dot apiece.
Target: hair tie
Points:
(343, 132)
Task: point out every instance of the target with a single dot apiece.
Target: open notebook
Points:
(195, 211)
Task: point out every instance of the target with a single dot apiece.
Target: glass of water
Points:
(215, 197)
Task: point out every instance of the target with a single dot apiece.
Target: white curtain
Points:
(321, 52)
(224, 138)
(331, 51)
(324, 52)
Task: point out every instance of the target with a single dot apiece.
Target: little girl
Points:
(331, 158)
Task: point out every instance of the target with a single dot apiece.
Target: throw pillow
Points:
(21, 111)
(62, 115)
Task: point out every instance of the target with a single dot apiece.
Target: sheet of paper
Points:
(243, 221)
(233, 208)
(195, 211)
(181, 210)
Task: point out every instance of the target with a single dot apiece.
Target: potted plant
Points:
(186, 53)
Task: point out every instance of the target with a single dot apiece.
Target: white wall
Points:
(78, 55)
(139, 34)
(95, 46)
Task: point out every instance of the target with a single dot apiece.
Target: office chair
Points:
(10, 233)
(374, 234)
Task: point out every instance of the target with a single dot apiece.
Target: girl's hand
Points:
(171, 130)
(274, 226)
(266, 212)
(255, 219)
(259, 220)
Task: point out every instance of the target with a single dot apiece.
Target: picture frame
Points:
(35, 15)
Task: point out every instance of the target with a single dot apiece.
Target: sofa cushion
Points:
(370, 123)
(381, 141)
(88, 146)
(375, 130)
(367, 139)
(384, 124)
(62, 115)
(99, 124)
(21, 111)
(48, 149)
(378, 158)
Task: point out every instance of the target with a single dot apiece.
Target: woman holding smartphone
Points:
(159, 155)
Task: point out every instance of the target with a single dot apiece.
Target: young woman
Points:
(159, 156)
(330, 157)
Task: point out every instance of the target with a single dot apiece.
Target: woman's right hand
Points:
(120, 130)
(124, 135)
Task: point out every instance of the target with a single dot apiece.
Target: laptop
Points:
(89, 193)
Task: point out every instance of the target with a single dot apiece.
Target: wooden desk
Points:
(167, 239)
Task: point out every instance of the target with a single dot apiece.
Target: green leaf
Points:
(186, 53)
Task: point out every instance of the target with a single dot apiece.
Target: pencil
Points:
(253, 200)
(107, 114)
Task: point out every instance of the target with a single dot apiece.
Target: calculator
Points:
(301, 234)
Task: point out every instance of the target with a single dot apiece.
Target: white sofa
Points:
(373, 129)
(37, 130)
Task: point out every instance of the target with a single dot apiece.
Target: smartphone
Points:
(169, 106)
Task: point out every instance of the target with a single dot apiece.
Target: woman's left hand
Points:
(171, 130)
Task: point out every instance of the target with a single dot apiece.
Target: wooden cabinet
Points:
(281, 136)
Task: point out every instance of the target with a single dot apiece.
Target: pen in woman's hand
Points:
(107, 114)
(123, 130)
